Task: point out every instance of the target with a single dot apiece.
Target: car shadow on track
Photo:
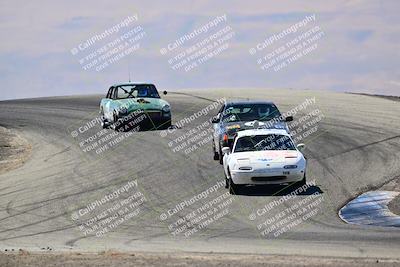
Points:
(145, 127)
(278, 190)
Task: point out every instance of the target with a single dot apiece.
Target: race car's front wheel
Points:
(304, 181)
(301, 183)
(233, 188)
(216, 156)
(220, 156)
(165, 125)
(104, 123)
(226, 180)
(115, 118)
(117, 124)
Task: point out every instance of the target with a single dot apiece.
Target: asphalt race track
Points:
(355, 148)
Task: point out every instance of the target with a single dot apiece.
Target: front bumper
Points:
(144, 119)
(152, 115)
(157, 115)
(267, 176)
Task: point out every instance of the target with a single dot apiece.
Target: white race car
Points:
(263, 156)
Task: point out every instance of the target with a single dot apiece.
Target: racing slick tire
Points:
(301, 183)
(104, 123)
(216, 155)
(304, 181)
(117, 123)
(233, 188)
(165, 125)
(220, 156)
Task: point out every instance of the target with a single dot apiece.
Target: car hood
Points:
(267, 157)
(232, 127)
(145, 103)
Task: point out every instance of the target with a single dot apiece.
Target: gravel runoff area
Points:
(110, 258)
(394, 185)
(14, 150)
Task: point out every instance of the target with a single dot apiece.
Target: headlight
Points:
(166, 108)
(123, 111)
(290, 167)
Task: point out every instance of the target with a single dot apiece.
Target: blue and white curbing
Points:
(371, 208)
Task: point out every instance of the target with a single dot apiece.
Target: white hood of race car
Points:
(262, 158)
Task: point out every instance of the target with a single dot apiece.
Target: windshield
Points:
(134, 91)
(250, 112)
(264, 142)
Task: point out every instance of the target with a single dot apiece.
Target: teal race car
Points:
(133, 103)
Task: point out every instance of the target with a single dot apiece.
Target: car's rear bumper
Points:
(267, 176)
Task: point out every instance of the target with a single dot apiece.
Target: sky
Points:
(43, 53)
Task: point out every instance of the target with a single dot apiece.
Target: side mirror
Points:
(165, 92)
(226, 150)
(214, 119)
(301, 146)
(289, 118)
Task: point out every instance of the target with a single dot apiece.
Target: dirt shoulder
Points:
(23, 258)
(14, 150)
(394, 185)
(389, 97)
